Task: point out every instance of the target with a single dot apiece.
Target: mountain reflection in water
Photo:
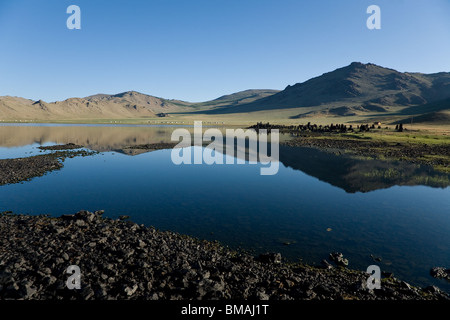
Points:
(349, 173)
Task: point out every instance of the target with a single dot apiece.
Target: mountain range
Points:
(354, 92)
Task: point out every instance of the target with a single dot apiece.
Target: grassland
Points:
(424, 146)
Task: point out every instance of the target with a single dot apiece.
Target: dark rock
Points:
(48, 280)
(405, 285)
(441, 273)
(80, 223)
(130, 290)
(432, 289)
(13, 291)
(6, 278)
(270, 257)
(68, 146)
(338, 258)
(87, 292)
(262, 296)
(326, 264)
(28, 291)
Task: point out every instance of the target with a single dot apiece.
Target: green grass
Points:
(392, 136)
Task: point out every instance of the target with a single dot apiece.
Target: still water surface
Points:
(317, 203)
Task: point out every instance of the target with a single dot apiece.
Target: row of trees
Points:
(316, 128)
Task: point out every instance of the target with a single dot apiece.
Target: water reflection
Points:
(317, 203)
(346, 172)
(360, 175)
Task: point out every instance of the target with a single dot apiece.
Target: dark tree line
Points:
(337, 128)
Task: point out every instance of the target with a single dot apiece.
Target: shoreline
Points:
(19, 170)
(121, 260)
(436, 155)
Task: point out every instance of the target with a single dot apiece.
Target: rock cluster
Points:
(339, 259)
(440, 273)
(119, 259)
(23, 169)
(67, 146)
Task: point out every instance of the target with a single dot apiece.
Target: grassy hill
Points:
(365, 86)
(123, 105)
(354, 93)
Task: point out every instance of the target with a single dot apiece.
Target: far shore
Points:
(228, 121)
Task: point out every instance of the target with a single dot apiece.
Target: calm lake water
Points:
(317, 203)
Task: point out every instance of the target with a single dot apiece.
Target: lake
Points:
(317, 203)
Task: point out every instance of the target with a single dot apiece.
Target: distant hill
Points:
(236, 99)
(436, 117)
(356, 87)
(129, 104)
(437, 106)
(246, 96)
(352, 93)
(437, 112)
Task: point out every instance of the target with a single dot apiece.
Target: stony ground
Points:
(67, 146)
(119, 259)
(23, 169)
(153, 146)
(17, 170)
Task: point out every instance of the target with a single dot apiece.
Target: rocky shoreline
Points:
(153, 146)
(67, 146)
(121, 260)
(23, 169)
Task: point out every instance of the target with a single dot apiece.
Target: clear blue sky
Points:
(201, 49)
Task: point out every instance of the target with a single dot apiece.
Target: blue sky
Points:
(201, 49)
